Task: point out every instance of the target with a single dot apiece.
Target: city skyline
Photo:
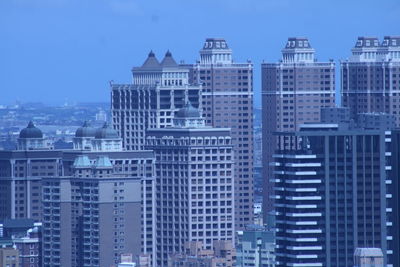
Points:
(211, 133)
(78, 58)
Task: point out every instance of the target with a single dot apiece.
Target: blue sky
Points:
(57, 50)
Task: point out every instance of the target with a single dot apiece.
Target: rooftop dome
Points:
(31, 132)
(85, 131)
(188, 111)
(106, 133)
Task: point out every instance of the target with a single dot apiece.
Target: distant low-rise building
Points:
(9, 257)
(127, 261)
(25, 236)
(255, 247)
(368, 257)
(222, 254)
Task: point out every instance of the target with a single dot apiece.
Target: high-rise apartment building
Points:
(194, 183)
(94, 215)
(293, 92)
(21, 171)
(157, 91)
(227, 101)
(101, 206)
(96, 201)
(332, 192)
(370, 79)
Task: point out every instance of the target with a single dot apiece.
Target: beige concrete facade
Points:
(227, 101)
(293, 92)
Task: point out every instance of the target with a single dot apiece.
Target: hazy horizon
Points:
(53, 50)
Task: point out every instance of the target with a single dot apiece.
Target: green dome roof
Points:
(106, 133)
(85, 131)
(103, 162)
(31, 132)
(82, 161)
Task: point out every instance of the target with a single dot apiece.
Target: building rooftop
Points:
(31, 131)
(151, 62)
(85, 131)
(106, 132)
(18, 223)
(168, 60)
(367, 42)
(297, 42)
(188, 111)
(391, 41)
(215, 43)
(103, 162)
(82, 161)
(368, 252)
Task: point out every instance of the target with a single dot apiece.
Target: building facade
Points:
(96, 201)
(367, 257)
(25, 236)
(102, 206)
(157, 91)
(394, 202)
(9, 257)
(93, 216)
(194, 183)
(227, 102)
(293, 92)
(255, 247)
(222, 254)
(370, 79)
(332, 193)
(21, 171)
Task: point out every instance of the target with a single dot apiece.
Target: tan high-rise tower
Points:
(227, 101)
(371, 77)
(293, 92)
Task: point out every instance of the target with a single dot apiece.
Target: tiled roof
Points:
(168, 60)
(151, 62)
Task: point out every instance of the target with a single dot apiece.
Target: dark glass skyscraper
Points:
(332, 192)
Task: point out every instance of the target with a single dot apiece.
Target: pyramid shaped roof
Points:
(168, 60)
(151, 61)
